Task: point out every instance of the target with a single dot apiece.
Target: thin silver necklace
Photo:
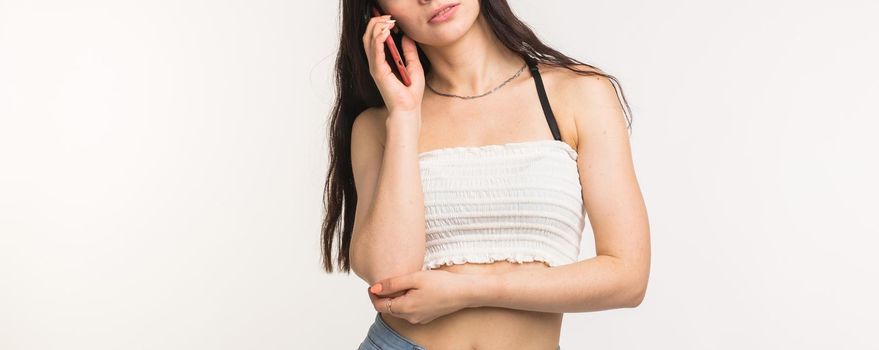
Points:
(476, 96)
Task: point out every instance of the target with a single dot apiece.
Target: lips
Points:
(441, 9)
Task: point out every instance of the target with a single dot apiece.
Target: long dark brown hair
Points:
(356, 91)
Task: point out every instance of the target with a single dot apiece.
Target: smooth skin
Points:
(616, 277)
(506, 304)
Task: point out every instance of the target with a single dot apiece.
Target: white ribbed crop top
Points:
(519, 202)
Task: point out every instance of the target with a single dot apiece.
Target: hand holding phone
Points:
(399, 78)
(397, 60)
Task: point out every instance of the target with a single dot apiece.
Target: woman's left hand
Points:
(426, 294)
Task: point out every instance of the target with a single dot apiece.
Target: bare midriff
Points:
(484, 328)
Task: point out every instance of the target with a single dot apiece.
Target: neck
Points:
(472, 65)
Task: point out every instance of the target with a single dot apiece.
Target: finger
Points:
(394, 284)
(380, 28)
(381, 35)
(375, 302)
(384, 29)
(411, 53)
(399, 305)
(371, 24)
(381, 304)
(369, 32)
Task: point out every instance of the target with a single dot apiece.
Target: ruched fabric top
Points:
(519, 202)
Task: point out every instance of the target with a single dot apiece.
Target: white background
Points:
(162, 166)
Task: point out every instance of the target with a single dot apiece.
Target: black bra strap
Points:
(544, 101)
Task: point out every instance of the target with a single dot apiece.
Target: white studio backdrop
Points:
(162, 166)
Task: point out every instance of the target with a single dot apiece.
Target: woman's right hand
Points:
(398, 97)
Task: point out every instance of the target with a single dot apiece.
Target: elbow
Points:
(636, 300)
(631, 287)
(366, 273)
(636, 290)
(632, 284)
(375, 261)
(360, 265)
(372, 271)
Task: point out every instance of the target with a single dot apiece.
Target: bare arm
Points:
(617, 276)
(600, 283)
(388, 238)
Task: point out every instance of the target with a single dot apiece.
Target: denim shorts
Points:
(383, 337)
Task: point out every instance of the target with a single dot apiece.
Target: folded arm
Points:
(617, 275)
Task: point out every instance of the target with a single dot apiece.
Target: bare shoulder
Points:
(367, 146)
(369, 128)
(581, 88)
(589, 100)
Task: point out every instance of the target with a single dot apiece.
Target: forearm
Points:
(599, 283)
(395, 243)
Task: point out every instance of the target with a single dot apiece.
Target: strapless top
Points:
(519, 202)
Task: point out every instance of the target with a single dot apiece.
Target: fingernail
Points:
(377, 288)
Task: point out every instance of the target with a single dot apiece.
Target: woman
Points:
(464, 194)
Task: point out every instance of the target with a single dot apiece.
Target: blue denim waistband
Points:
(386, 338)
